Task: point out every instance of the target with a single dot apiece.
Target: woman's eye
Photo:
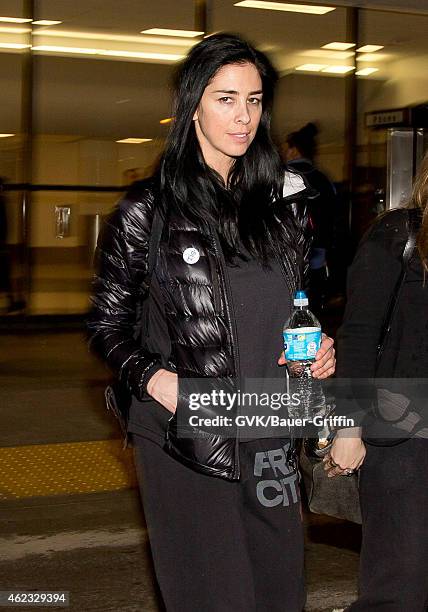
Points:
(226, 99)
(254, 101)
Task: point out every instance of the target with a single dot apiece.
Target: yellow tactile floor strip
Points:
(59, 469)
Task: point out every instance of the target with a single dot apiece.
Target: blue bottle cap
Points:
(300, 295)
(300, 299)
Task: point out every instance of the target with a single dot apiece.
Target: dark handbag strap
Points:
(413, 228)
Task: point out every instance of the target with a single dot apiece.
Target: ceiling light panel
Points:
(134, 140)
(165, 121)
(46, 22)
(14, 20)
(281, 6)
(372, 57)
(370, 48)
(324, 54)
(14, 46)
(338, 69)
(13, 30)
(58, 49)
(178, 33)
(115, 38)
(167, 57)
(6, 135)
(366, 71)
(311, 67)
(338, 46)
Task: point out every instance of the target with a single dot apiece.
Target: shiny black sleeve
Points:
(119, 288)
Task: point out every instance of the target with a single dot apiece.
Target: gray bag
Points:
(336, 496)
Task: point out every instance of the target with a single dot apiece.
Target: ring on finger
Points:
(349, 472)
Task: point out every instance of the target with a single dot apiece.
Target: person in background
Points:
(131, 175)
(394, 472)
(232, 251)
(12, 305)
(299, 154)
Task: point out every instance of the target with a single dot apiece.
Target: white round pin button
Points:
(191, 255)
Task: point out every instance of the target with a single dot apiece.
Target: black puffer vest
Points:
(198, 311)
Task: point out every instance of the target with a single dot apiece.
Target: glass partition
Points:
(64, 229)
(392, 109)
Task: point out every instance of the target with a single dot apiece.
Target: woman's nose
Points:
(242, 113)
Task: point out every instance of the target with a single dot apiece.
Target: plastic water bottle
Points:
(302, 339)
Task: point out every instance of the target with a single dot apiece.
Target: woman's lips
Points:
(240, 137)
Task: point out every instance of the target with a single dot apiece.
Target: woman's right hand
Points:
(163, 387)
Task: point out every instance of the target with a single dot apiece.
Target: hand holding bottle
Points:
(325, 360)
(307, 351)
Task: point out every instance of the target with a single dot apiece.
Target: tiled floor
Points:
(74, 467)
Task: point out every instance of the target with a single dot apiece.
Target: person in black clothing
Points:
(299, 154)
(223, 513)
(393, 480)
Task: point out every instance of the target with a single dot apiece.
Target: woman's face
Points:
(228, 115)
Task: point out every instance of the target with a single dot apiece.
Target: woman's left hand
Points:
(325, 361)
(346, 455)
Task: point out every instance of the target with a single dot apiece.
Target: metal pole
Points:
(201, 16)
(27, 152)
(351, 93)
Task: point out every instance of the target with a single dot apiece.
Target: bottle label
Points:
(302, 343)
(300, 301)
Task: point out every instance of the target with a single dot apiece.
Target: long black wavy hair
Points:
(241, 211)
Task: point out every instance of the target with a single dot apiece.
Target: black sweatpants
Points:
(223, 546)
(394, 554)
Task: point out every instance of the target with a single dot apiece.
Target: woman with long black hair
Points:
(204, 258)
